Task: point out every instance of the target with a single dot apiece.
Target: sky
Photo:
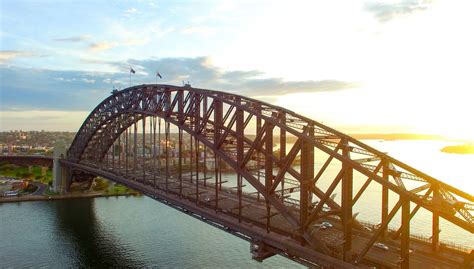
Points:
(357, 66)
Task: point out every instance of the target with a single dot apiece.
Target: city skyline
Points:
(358, 67)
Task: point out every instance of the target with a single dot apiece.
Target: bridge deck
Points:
(254, 212)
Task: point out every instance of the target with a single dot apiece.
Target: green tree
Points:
(100, 184)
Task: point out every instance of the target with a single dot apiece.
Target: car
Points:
(323, 226)
(381, 246)
(327, 224)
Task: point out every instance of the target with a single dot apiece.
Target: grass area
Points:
(21, 172)
(107, 187)
(49, 192)
(100, 185)
(118, 189)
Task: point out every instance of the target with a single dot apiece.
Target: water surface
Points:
(117, 232)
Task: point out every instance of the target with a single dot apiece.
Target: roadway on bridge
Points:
(254, 211)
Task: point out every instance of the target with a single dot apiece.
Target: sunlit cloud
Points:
(101, 46)
(7, 55)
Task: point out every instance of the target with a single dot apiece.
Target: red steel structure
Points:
(294, 177)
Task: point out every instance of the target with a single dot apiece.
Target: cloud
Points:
(201, 73)
(75, 79)
(100, 46)
(7, 55)
(110, 81)
(73, 39)
(277, 86)
(130, 12)
(88, 80)
(43, 89)
(387, 11)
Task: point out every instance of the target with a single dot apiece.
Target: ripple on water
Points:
(117, 232)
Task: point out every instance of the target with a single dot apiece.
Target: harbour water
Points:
(140, 232)
(131, 232)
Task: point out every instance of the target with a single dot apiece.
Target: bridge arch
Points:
(124, 109)
(222, 123)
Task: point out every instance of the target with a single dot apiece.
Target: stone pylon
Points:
(60, 174)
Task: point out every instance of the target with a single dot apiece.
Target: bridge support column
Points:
(347, 189)
(307, 175)
(435, 228)
(405, 237)
(283, 151)
(197, 122)
(260, 251)
(240, 152)
(60, 174)
(258, 127)
(180, 140)
(384, 197)
(268, 166)
(218, 109)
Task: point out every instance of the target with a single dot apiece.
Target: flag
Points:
(132, 71)
(158, 74)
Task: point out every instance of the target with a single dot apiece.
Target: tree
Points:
(100, 184)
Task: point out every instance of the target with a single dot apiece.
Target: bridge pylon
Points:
(60, 173)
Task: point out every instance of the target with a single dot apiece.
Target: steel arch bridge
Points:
(297, 182)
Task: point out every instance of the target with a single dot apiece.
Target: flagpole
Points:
(157, 75)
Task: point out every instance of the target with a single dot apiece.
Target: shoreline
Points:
(33, 198)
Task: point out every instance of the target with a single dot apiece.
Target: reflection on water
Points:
(117, 232)
(76, 222)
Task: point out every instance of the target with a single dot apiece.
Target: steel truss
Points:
(287, 199)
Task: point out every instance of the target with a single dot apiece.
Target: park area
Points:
(35, 183)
